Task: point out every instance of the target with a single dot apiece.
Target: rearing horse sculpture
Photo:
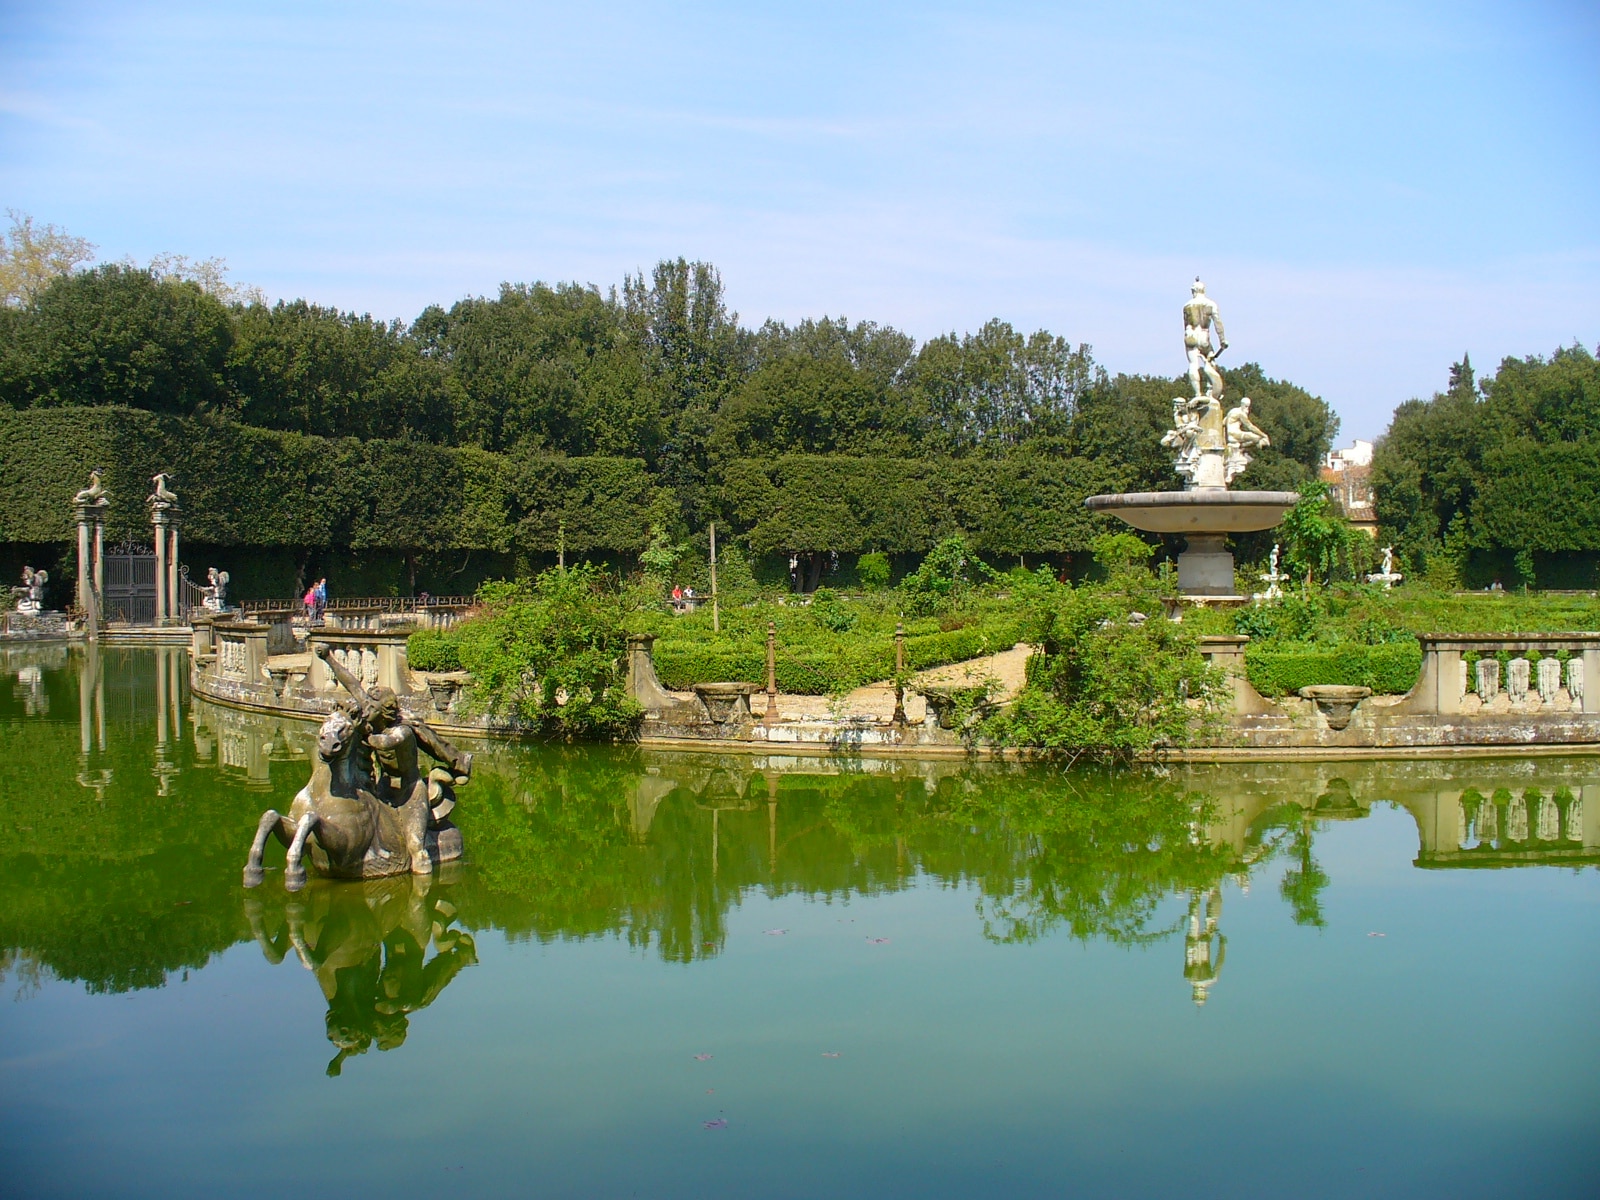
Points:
(348, 831)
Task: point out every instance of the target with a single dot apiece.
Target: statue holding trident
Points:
(1199, 315)
(1212, 445)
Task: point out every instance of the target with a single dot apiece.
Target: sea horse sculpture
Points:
(336, 818)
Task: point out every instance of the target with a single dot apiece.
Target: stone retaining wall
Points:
(235, 662)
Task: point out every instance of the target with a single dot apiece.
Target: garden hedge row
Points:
(1021, 503)
(1282, 670)
(818, 671)
(242, 486)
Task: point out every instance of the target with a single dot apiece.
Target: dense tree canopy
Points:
(1490, 478)
(999, 431)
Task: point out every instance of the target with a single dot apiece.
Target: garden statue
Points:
(30, 596)
(163, 497)
(1200, 426)
(1199, 315)
(366, 811)
(1242, 435)
(1273, 578)
(93, 496)
(1388, 576)
(214, 595)
(1211, 446)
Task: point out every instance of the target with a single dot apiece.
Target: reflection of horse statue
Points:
(350, 833)
(368, 944)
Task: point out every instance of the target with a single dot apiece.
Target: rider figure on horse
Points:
(394, 740)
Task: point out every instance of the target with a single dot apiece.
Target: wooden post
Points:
(772, 672)
(899, 672)
(561, 546)
(716, 610)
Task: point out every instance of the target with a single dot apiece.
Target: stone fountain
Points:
(1213, 446)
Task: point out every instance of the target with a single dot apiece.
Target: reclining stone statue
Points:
(367, 811)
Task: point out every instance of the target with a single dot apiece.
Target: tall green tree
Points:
(302, 367)
(119, 335)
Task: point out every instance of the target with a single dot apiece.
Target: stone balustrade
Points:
(1545, 673)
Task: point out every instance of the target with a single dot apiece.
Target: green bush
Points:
(1110, 686)
(432, 650)
(1284, 668)
(552, 655)
(873, 570)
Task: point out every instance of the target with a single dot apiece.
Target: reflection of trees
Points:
(560, 850)
(367, 944)
(1303, 882)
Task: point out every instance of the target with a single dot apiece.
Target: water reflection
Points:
(367, 944)
(133, 820)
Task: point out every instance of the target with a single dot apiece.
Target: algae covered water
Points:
(684, 975)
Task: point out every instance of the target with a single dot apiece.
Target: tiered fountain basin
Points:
(1205, 516)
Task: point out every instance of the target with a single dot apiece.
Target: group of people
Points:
(316, 599)
(683, 598)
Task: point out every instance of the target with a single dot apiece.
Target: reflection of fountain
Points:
(367, 943)
(1204, 947)
(1213, 446)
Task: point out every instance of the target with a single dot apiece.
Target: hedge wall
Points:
(1019, 504)
(241, 486)
(1389, 669)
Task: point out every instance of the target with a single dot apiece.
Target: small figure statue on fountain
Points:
(1273, 578)
(1388, 576)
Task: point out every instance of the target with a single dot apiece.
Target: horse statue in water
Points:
(348, 831)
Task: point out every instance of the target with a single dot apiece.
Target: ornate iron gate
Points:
(130, 587)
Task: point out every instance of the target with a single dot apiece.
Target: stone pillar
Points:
(85, 566)
(1591, 679)
(174, 596)
(160, 520)
(91, 569)
(99, 561)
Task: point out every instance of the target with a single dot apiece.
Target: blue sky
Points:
(1368, 189)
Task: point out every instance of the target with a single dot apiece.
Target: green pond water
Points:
(667, 975)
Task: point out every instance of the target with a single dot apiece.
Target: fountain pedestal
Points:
(1204, 516)
(1205, 568)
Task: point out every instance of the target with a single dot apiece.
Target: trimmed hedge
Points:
(1019, 503)
(243, 486)
(1389, 669)
(433, 650)
(824, 669)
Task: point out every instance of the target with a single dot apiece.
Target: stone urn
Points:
(945, 700)
(1336, 700)
(279, 676)
(725, 702)
(444, 689)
